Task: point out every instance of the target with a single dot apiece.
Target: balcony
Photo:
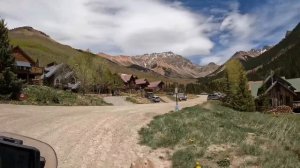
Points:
(37, 70)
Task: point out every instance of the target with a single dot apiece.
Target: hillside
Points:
(41, 46)
(283, 58)
(243, 56)
(166, 63)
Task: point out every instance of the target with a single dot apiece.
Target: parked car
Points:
(149, 95)
(213, 97)
(182, 96)
(216, 96)
(155, 99)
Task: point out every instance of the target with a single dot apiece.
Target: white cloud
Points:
(207, 60)
(133, 27)
(264, 25)
(239, 25)
(118, 27)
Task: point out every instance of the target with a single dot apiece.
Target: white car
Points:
(155, 99)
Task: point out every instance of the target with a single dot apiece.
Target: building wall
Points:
(280, 96)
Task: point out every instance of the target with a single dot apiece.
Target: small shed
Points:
(278, 90)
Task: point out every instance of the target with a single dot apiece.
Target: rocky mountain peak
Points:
(166, 63)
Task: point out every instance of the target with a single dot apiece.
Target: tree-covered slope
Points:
(283, 58)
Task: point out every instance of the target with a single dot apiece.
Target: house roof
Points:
(24, 57)
(279, 83)
(52, 70)
(254, 86)
(141, 81)
(23, 64)
(154, 84)
(68, 74)
(296, 83)
(126, 77)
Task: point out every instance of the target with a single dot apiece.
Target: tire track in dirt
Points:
(105, 136)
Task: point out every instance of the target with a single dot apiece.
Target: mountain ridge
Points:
(41, 46)
(281, 58)
(166, 63)
(243, 57)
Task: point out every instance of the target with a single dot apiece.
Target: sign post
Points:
(176, 93)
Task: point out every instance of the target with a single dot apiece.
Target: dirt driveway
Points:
(88, 137)
(117, 100)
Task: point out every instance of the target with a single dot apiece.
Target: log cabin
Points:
(155, 86)
(128, 80)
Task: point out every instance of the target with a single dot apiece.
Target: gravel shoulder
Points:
(102, 136)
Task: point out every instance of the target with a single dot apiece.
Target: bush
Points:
(43, 95)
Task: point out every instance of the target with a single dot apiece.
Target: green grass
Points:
(132, 100)
(43, 95)
(193, 131)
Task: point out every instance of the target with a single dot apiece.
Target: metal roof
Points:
(254, 86)
(68, 74)
(51, 70)
(295, 83)
(23, 64)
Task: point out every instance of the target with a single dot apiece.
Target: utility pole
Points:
(176, 93)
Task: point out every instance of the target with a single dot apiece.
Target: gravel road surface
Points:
(88, 137)
(117, 100)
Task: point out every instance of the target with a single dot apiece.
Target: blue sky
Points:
(202, 30)
(271, 20)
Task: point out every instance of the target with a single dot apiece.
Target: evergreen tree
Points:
(238, 94)
(10, 86)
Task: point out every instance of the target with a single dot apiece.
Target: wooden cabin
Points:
(26, 68)
(278, 90)
(61, 76)
(155, 86)
(141, 83)
(128, 80)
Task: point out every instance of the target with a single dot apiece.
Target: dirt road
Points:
(88, 137)
(117, 100)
